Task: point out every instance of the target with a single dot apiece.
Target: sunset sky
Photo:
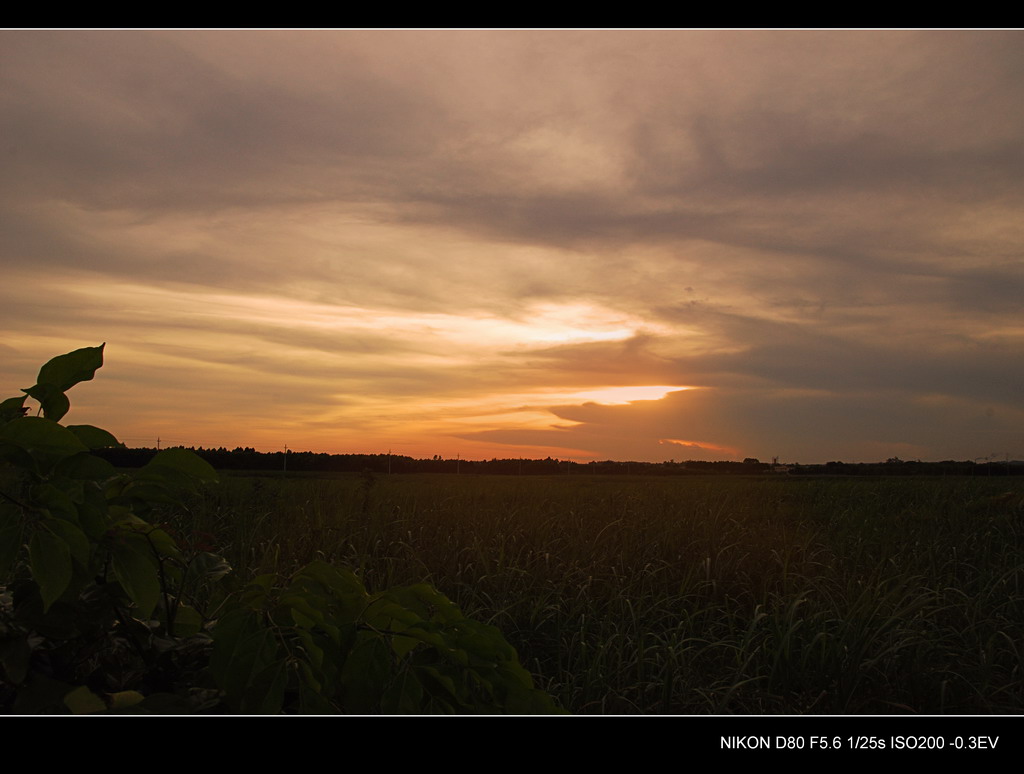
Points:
(577, 244)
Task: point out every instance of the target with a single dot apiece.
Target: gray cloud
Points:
(732, 424)
(834, 214)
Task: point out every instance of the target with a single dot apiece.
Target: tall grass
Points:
(694, 595)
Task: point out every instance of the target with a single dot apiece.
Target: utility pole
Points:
(158, 443)
(458, 463)
(285, 470)
(389, 462)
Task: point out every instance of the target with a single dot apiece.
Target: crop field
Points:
(682, 595)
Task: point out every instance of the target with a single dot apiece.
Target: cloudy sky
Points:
(593, 244)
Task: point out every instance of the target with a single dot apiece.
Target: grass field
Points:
(684, 595)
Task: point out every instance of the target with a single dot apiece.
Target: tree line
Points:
(248, 459)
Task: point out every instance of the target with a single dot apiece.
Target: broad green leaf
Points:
(78, 543)
(427, 601)
(137, 574)
(227, 631)
(301, 620)
(312, 698)
(265, 581)
(56, 501)
(425, 632)
(125, 699)
(53, 400)
(163, 543)
(94, 518)
(129, 522)
(384, 613)
(341, 581)
(348, 593)
(50, 557)
(404, 696)
(43, 438)
(234, 633)
(265, 693)
(255, 594)
(243, 649)
(367, 669)
(65, 371)
(530, 702)
(147, 493)
(10, 537)
(403, 645)
(181, 461)
(82, 701)
(12, 408)
(314, 653)
(301, 610)
(438, 683)
(483, 641)
(18, 457)
(85, 467)
(187, 621)
(94, 437)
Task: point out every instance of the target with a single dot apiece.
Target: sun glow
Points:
(537, 325)
(616, 396)
(531, 408)
(698, 445)
(338, 354)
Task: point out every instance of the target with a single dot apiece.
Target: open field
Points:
(696, 595)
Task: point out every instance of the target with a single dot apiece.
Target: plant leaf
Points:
(78, 543)
(125, 699)
(181, 461)
(42, 438)
(65, 371)
(52, 398)
(137, 574)
(50, 557)
(82, 701)
(10, 537)
(12, 408)
(94, 437)
(85, 467)
(187, 621)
